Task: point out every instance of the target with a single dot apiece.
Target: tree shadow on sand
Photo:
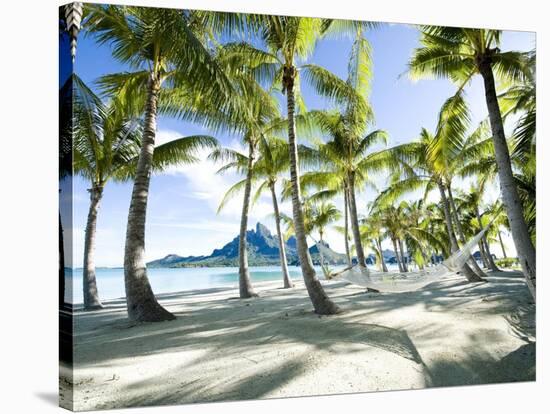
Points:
(246, 334)
(485, 368)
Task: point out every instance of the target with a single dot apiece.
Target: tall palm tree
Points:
(172, 69)
(459, 54)
(105, 142)
(263, 174)
(348, 129)
(272, 162)
(289, 42)
(106, 147)
(258, 117)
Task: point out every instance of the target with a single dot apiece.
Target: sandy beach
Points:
(221, 348)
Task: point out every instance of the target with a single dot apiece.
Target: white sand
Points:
(223, 348)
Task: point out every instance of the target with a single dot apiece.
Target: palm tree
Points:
(472, 202)
(459, 54)
(104, 143)
(521, 98)
(106, 147)
(258, 117)
(174, 72)
(290, 41)
(346, 154)
(495, 210)
(324, 214)
(318, 215)
(246, 165)
(418, 166)
(321, 215)
(372, 229)
(272, 162)
(346, 165)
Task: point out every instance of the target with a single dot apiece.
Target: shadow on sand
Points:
(250, 332)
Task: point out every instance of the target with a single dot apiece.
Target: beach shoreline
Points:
(222, 348)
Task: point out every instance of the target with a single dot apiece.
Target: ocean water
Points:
(110, 281)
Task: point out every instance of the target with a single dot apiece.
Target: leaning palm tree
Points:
(106, 147)
(290, 41)
(459, 54)
(174, 72)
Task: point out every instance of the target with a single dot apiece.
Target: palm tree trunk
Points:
(282, 251)
(465, 270)
(483, 254)
(89, 283)
(502, 245)
(475, 267)
(510, 198)
(321, 302)
(355, 222)
(425, 259)
(140, 301)
(402, 254)
(397, 258)
(346, 225)
(321, 257)
(492, 265)
(245, 286)
(378, 255)
(384, 266)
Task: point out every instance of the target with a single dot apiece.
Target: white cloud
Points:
(204, 183)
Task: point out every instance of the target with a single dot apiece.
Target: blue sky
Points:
(182, 207)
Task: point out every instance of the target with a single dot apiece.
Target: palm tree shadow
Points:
(247, 334)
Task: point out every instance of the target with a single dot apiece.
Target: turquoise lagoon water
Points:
(110, 281)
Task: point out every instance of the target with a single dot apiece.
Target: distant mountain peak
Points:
(263, 249)
(263, 230)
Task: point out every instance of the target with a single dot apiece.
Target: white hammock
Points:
(404, 282)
